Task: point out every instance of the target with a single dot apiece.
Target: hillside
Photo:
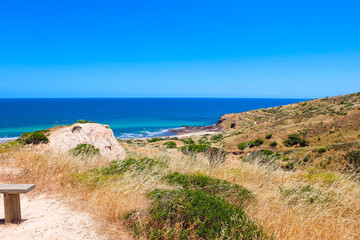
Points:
(331, 123)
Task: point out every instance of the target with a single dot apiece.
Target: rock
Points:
(62, 139)
(190, 129)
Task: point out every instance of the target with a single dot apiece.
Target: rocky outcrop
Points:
(63, 139)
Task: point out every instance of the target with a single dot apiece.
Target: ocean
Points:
(127, 117)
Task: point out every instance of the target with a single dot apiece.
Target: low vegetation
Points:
(84, 150)
(170, 144)
(192, 149)
(36, 137)
(82, 121)
(195, 214)
(295, 139)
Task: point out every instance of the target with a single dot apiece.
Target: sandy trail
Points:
(46, 217)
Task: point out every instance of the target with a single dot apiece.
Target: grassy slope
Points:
(332, 123)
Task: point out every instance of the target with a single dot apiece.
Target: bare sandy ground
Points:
(46, 217)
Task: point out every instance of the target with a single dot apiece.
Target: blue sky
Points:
(299, 49)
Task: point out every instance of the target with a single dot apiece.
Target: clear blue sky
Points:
(179, 48)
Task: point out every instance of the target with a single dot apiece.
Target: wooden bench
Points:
(12, 200)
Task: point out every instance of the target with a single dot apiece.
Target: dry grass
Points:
(283, 207)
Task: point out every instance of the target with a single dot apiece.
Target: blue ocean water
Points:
(128, 117)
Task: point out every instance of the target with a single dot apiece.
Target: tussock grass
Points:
(334, 214)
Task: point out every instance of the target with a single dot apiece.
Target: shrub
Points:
(204, 140)
(128, 141)
(267, 152)
(178, 214)
(75, 128)
(188, 141)
(154, 140)
(84, 150)
(321, 150)
(354, 158)
(84, 121)
(273, 144)
(259, 141)
(306, 158)
(295, 139)
(242, 145)
(225, 189)
(216, 137)
(36, 137)
(290, 166)
(193, 148)
(170, 144)
(268, 136)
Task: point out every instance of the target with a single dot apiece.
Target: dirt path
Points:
(46, 217)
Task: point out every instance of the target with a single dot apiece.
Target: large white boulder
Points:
(62, 139)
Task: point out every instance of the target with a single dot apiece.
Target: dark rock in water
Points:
(189, 129)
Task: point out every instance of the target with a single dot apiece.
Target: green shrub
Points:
(259, 141)
(188, 141)
(295, 139)
(84, 121)
(268, 136)
(225, 189)
(306, 158)
(154, 139)
(36, 137)
(204, 140)
(267, 152)
(128, 141)
(84, 150)
(216, 137)
(193, 148)
(290, 166)
(273, 144)
(256, 143)
(354, 158)
(321, 150)
(242, 145)
(170, 144)
(179, 214)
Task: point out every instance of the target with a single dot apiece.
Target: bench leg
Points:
(12, 208)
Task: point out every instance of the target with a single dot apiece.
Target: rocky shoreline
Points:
(190, 129)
